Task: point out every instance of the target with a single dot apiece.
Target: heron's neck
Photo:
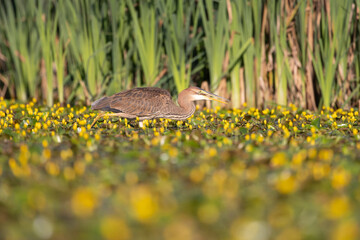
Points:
(185, 110)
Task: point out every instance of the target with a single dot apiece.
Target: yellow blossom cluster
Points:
(279, 171)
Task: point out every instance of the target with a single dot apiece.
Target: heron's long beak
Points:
(214, 97)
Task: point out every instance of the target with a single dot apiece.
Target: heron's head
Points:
(195, 93)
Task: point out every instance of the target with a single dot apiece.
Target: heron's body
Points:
(144, 103)
(150, 103)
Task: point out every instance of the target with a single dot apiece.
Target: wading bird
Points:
(150, 103)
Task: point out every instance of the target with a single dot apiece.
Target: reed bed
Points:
(256, 52)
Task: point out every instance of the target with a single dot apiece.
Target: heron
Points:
(151, 103)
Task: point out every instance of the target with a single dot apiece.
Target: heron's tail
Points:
(100, 104)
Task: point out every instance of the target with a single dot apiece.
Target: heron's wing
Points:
(103, 104)
(141, 101)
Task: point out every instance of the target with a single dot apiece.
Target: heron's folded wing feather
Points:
(140, 101)
(100, 103)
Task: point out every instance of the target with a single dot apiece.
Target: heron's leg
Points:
(97, 117)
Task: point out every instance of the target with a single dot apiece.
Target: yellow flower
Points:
(285, 113)
(97, 137)
(266, 111)
(348, 230)
(45, 143)
(320, 170)
(155, 141)
(37, 125)
(340, 178)
(83, 202)
(279, 159)
(260, 138)
(173, 152)
(86, 136)
(69, 173)
(299, 158)
(114, 228)
(286, 133)
(248, 148)
(326, 154)
(66, 154)
(82, 122)
(285, 183)
(212, 152)
(88, 157)
(312, 153)
(337, 208)
(144, 204)
(79, 167)
(226, 126)
(15, 168)
(52, 168)
(47, 153)
(24, 153)
(135, 136)
(253, 136)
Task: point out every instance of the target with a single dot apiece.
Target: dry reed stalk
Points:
(310, 93)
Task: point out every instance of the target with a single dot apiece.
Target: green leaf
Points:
(316, 123)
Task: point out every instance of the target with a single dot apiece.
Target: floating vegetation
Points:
(278, 173)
